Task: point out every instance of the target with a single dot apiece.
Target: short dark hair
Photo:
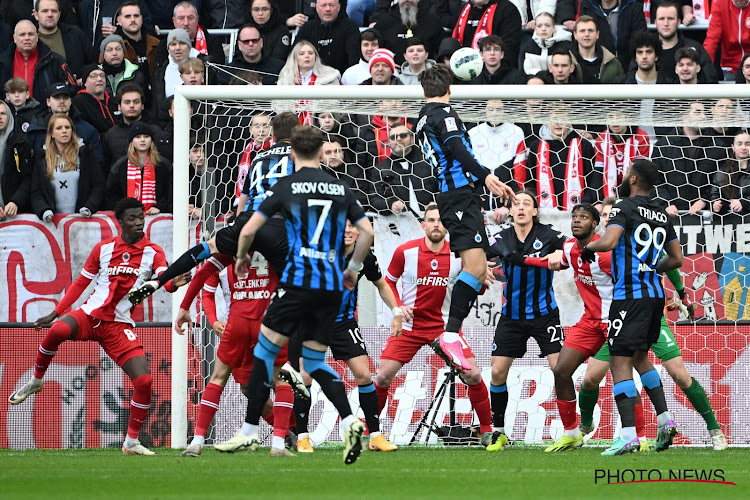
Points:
(20, 85)
(585, 19)
(126, 88)
(667, 5)
(646, 171)
(126, 204)
(36, 4)
(431, 206)
(589, 208)
(645, 39)
(436, 81)
(338, 139)
(491, 40)
(306, 141)
(283, 124)
(412, 41)
(561, 52)
(687, 53)
(370, 34)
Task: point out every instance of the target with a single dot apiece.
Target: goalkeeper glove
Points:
(516, 259)
(687, 305)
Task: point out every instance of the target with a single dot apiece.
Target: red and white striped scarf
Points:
(247, 158)
(484, 29)
(142, 182)
(614, 158)
(573, 176)
(306, 117)
(200, 41)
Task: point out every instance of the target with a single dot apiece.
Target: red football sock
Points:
(269, 419)
(59, 333)
(139, 404)
(640, 421)
(567, 411)
(382, 397)
(283, 406)
(208, 408)
(292, 420)
(480, 400)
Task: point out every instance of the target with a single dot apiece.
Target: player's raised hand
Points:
(350, 279)
(499, 188)
(45, 320)
(396, 326)
(182, 279)
(182, 321)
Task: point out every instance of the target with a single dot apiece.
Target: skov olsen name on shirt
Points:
(330, 189)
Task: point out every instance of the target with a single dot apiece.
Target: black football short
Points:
(271, 240)
(634, 324)
(511, 335)
(346, 342)
(311, 314)
(461, 214)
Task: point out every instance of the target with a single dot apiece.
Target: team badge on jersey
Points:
(434, 264)
(125, 257)
(332, 256)
(450, 124)
(537, 244)
(478, 238)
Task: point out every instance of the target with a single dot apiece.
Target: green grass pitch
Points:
(418, 472)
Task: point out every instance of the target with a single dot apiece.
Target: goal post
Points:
(651, 105)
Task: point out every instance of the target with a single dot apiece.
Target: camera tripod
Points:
(448, 385)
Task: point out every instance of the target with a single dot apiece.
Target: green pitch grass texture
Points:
(417, 472)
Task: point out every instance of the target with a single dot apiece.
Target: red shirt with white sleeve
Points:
(427, 279)
(594, 281)
(118, 268)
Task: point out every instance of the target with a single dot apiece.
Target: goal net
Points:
(580, 136)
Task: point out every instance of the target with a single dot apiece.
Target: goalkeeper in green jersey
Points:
(665, 349)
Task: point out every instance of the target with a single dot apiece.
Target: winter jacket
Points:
(130, 74)
(115, 141)
(356, 74)
(19, 165)
(395, 80)
(393, 32)
(50, 68)
(25, 114)
(609, 67)
(353, 177)
(337, 43)
(667, 63)
(117, 184)
(277, 41)
(100, 114)
(37, 131)
(630, 21)
(90, 184)
(629, 78)
(268, 68)
(740, 189)
(152, 43)
(78, 49)
(537, 7)
(327, 76)
(224, 14)
(536, 52)
(505, 75)
(393, 176)
(506, 23)
(407, 77)
(730, 27)
(89, 16)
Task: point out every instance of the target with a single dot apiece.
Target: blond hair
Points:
(69, 154)
(153, 154)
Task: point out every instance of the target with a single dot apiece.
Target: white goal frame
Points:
(413, 93)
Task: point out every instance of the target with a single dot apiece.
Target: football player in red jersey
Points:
(427, 270)
(119, 264)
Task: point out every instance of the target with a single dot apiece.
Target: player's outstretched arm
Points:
(182, 321)
(247, 236)
(603, 244)
(500, 189)
(361, 247)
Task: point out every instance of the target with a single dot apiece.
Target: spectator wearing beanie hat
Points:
(382, 69)
(142, 173)
(117, 69)
(93, 102)
(167, 75)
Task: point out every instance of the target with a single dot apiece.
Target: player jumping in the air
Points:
(666, 350)
(118, 264)
(529, 308)
(637, 233)
(315, 207)
(427, 270)
(594, 283)
(268, 167)
(445, 144)
(250, 295)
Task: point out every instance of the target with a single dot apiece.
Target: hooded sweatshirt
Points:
(4, 134)
(536, 54)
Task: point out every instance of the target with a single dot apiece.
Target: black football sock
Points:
(302, 413)
(368, 401)
(462, 299)
(185, 263)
